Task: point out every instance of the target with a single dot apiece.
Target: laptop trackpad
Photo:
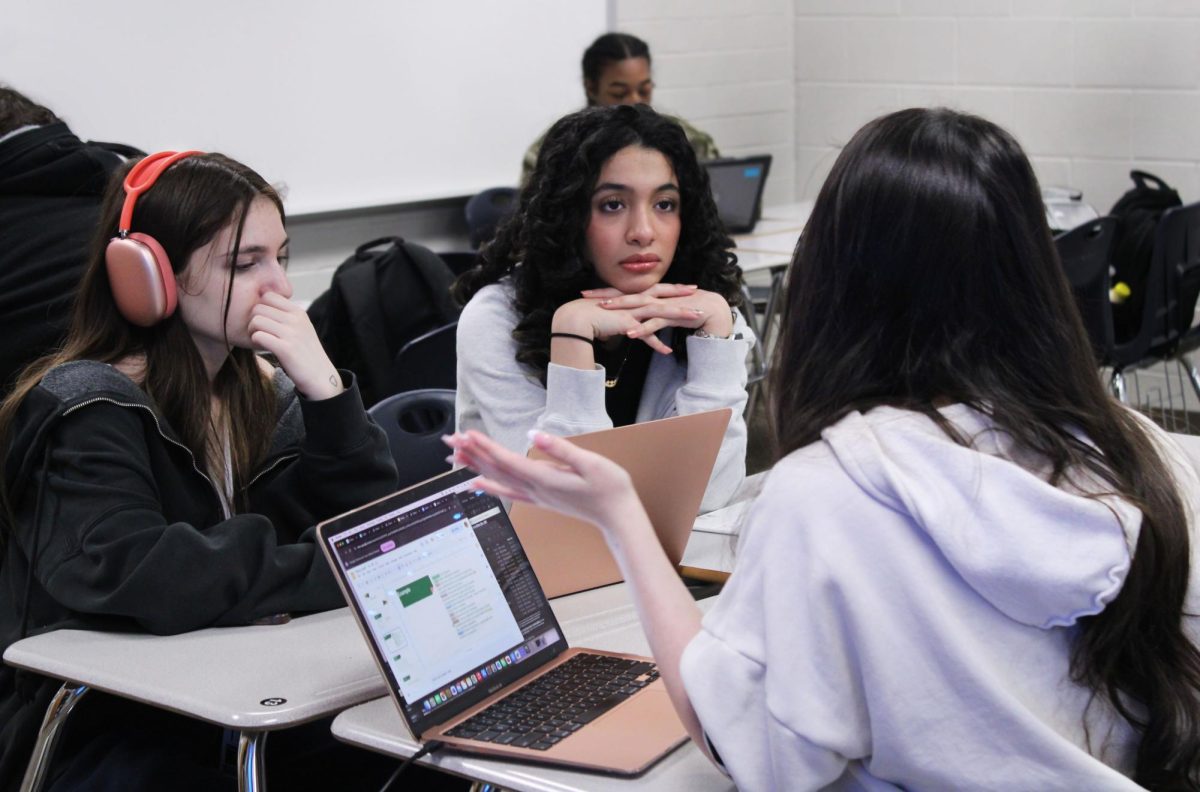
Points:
(627, 739)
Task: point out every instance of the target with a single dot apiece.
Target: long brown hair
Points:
(927, 272)
(189, 204)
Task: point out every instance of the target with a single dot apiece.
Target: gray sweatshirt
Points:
(502, 398)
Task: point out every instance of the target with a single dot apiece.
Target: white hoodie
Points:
(901, 614)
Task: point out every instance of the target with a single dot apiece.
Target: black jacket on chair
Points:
(51, 184)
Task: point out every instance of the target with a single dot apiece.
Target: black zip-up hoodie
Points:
(123, 529)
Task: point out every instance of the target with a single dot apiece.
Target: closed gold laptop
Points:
(669, 460)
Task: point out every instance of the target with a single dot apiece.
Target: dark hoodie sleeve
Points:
(344, 462)
(105, 547)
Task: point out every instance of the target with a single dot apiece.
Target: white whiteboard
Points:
(349, 103)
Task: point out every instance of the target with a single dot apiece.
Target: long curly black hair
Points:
(546, 236)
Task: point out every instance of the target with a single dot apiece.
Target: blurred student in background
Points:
(616, 70)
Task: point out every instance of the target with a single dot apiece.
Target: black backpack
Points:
(389, 292)
(1138, 212)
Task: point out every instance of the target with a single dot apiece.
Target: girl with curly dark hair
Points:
(606, 299)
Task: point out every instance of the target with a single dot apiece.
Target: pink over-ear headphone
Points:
(139, 272)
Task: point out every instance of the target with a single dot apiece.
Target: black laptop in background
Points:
(737, 189)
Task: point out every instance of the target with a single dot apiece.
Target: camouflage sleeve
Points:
(702, 142)
(530, 161)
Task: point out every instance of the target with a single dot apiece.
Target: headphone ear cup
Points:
(142, 282)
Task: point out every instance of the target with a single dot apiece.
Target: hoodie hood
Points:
(1042, 555)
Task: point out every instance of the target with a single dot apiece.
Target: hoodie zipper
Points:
(276, 463)
(161, 433)
(278, 460)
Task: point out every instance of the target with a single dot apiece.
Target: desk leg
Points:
(252, 762)
(1192, 372)
(765, 341)
(60, 707)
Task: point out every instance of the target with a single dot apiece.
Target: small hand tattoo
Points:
(333, 380)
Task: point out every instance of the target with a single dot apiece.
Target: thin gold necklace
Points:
(612, 383)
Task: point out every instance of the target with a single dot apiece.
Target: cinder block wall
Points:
(726, 67)
(1091, 88)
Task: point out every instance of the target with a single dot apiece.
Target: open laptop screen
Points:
(445, 592)
(737, 188)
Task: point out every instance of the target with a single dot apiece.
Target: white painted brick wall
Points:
(727, 68)
(1091, 88)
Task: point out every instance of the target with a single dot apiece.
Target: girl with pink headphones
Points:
(159, 473)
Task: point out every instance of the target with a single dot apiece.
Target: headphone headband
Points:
(141, 177)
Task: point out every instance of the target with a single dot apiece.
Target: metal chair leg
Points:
(1117, 386)
(43, 750)
(758, 352)
(773, 307)
(751, 400)
(1193, 374)
(252, 762)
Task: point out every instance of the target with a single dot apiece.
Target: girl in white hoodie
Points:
(970, 569)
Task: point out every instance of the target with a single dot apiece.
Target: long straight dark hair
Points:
(927, 274)
(189, 204)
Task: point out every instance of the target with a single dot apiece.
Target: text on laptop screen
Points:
(451, 602)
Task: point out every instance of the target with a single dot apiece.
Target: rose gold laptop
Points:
(470, 648)
(669, 460)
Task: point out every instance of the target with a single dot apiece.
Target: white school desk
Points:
(259, 679)
(710, 551)
(253, 680)
(771, 244)
(602, 619)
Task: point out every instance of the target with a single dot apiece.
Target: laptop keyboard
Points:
(559, 702)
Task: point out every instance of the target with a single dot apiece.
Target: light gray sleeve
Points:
(716, 377)
(499, 396)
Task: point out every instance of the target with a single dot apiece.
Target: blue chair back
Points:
(429, 360)
(415, 422)
(1085, 255)
(459, 261)
(485, 212)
